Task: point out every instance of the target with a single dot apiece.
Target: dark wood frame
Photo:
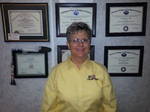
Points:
(65, 47)
(140, 48)
(16, 53)
(26, 6)
(137, 4)
(59, 5)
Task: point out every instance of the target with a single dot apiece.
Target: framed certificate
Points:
(25, 22)
(124, 60)
(126, 19)
(30, 64)
(67, 13)
(63, 52)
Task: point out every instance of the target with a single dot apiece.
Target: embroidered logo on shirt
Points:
(92, 77)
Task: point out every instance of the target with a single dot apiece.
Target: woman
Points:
(79, 84)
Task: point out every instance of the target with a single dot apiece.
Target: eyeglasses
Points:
(76, 41)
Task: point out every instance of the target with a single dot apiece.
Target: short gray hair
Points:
(77, 27)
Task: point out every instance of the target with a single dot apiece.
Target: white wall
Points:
(132, 92)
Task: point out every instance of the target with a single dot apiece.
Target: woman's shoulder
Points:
(60, 65)
(98, 65)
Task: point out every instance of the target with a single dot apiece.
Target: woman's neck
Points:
(78, 61)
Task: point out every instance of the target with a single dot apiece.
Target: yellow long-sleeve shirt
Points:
(70, 89)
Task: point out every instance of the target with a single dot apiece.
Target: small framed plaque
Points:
(25, 22)
(30, 64)
(63, 52)
(67, 13)
(126, 19)
(124, 60)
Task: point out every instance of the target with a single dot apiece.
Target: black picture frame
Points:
(25, 22)
(126, 19)
(124, 60)
(75, 10)
(30, 64)
(64, 49)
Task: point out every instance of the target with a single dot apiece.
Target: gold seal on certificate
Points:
(124, 59)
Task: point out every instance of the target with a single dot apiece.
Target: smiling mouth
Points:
(80, 49)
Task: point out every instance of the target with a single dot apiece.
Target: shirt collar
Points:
(72, 65)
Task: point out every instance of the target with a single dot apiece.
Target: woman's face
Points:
(79, 45)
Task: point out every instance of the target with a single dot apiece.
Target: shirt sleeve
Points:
(109, 103)
(50, 93)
